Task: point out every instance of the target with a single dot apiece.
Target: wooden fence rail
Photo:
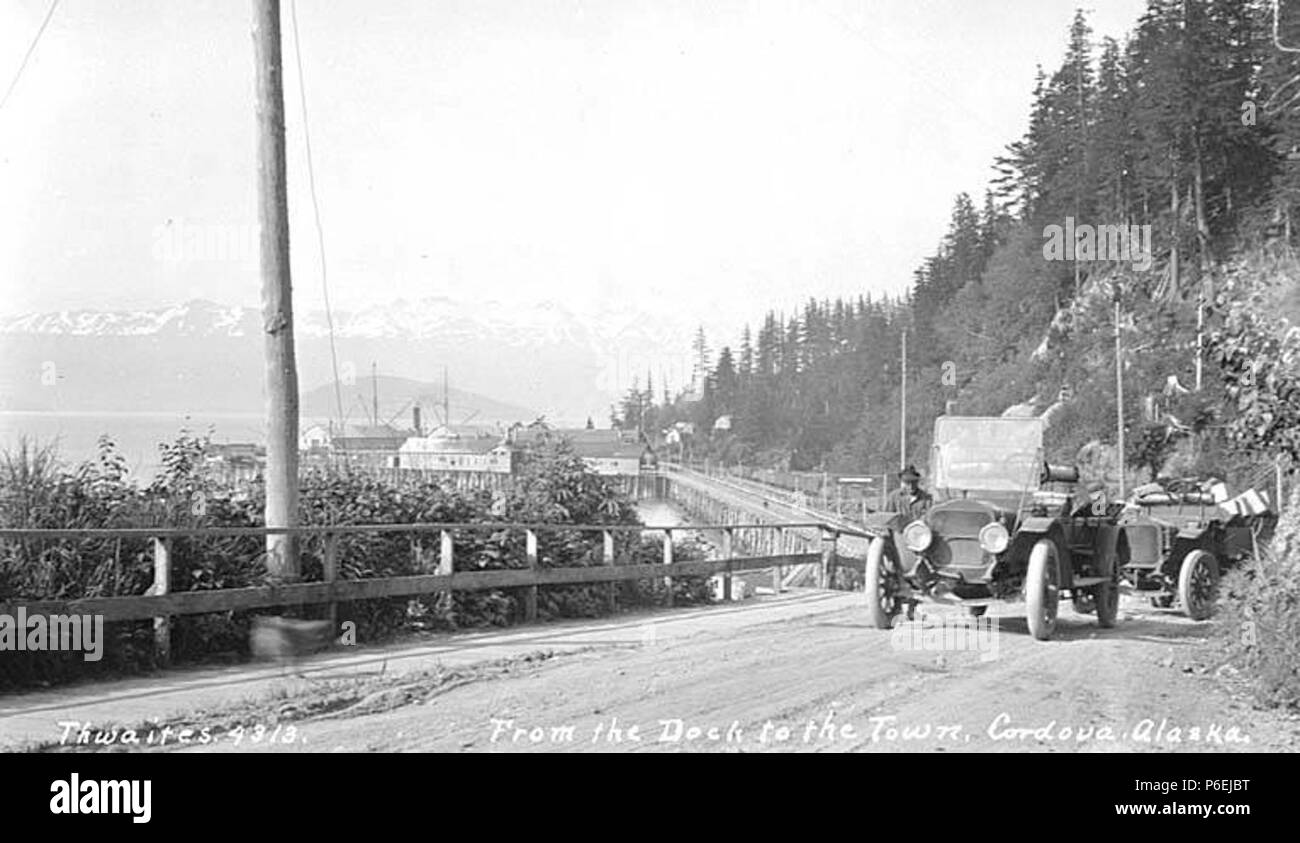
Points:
(160, 604)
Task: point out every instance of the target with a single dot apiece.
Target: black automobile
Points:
(1181, 539)
(1005, 526)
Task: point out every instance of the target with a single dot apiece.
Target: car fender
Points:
(1028, 533)
(882, 523)
(1107, 547)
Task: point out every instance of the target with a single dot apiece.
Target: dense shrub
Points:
(553, 488)
(1259, 626)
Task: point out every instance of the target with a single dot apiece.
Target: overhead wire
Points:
(315, 204)
(31, 48)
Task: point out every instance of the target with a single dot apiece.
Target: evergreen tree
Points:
(1148, 130)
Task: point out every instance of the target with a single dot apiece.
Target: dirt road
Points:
(823, 681)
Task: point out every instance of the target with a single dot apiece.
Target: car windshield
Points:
(987, 454)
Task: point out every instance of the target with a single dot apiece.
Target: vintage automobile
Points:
(1004, 524)
(1181, 539)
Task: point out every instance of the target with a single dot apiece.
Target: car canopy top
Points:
(987, 454)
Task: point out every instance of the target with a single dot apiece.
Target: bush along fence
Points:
(177, 569)
(455, 574)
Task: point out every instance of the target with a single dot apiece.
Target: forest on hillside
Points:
(1191, 126)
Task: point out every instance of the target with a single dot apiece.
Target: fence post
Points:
(728, 553)
(446, 567)
(607, 556)
(668, 560)
(778, 545)
(530, 595)
(330, 565)
(162, 577)
(830, 542)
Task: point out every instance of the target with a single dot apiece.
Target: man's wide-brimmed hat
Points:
(909, 473)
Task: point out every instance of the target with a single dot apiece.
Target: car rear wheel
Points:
(1106, 595)
(1042, 589)
(1106, 598)
(1198, 580)
(881, 585)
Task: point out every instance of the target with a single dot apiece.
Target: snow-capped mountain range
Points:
(419, 319)
(202, 355)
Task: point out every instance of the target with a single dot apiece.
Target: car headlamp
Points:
(917, 536)
(994, 537)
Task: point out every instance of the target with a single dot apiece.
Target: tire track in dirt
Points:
(752, 682)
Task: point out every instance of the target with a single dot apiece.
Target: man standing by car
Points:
(911, 501)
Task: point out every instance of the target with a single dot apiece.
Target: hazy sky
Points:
(701, 157)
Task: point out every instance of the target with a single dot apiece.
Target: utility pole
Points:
(1205, 296)
(1200, 340)
(1277, 484)
(1083, 124)
(446, 401)
(1119, 397)
(374, 394)
(277, 295)
(902, 412)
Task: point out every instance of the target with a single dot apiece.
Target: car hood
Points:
(963, 517)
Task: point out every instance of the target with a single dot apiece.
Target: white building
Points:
(457, 453)
(609, 452)
(314, 438)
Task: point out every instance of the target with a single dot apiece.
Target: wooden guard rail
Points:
(161, 604)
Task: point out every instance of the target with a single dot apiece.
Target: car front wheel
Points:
(881, 585)
(1042, 589)
(1198, 580)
